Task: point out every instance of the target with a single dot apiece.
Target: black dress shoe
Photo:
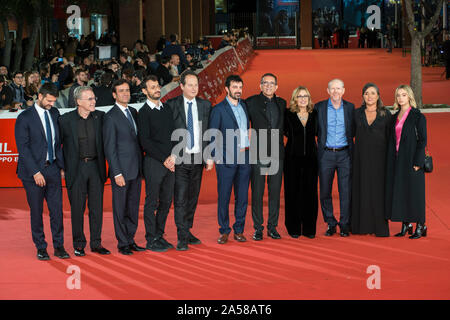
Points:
(344, 231)
(135, 247)
(61, 253)
(406, 228)
(167, 244)
(193, 240)
(79, 252)
(125, 251)
(421, 231)
(182, 246)
(157, 246)
(330, 231)
(310, 236)
(273, 234)
(258, 235)
(293, 235)
(43, 255)
(101, 250)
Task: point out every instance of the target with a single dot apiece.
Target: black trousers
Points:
(188, 179)
(87, 185)
(126, 210)
(258, 183)
(159, 184)
(52, 193)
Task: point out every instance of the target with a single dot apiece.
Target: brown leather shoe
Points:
(239, 237)
(223, 238)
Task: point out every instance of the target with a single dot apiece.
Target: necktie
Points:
(49, 137)
(130, 118)
(190, 126)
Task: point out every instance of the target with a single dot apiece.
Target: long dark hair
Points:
(381, 110)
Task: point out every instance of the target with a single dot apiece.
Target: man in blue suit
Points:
(230, 117)
(335, 144)
(40, 167)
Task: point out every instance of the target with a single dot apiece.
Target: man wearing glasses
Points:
(124, 155)
(266, 111)
(17, 88)
(84, 160)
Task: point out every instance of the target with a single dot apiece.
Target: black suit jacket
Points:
(322, 125)
(121, 144)
(31, 143)
(68, 125)
(179, 116)
(257, 107)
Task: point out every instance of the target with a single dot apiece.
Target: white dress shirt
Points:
(41, 112)
(196, 148)
(154, 106)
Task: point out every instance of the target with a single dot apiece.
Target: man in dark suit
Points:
(124, 156)
(40, 167)
(155, 122)
(266, 111)
(230, 118)
(191, 114)
(335, 144)
(84, 160)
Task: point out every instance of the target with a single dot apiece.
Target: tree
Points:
(416, 40)
(5, 13)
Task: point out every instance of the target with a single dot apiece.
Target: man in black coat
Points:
(124, 156)
(334, 150)
(266, 112)
(84, 160)
(191, 114)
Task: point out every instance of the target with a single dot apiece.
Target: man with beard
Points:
(155, 123)
(81, 79)
(232, 161)
(40, 167)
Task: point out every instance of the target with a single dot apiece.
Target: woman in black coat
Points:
(372, 123)
(405, 178)
(300, 165)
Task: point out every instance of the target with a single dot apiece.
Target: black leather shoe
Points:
(310, 236)
(157, 246)
(42, 255)
(61, 253)
(79, 252)
(166, 243)
(101, 250)
(182, 246)
(421, 231)
(406, 227)
(330, 231)
(258, 235)
(273, 234)
(135, 247)
(344, 231)
(293, 235)
(125, 251)
(193, 239)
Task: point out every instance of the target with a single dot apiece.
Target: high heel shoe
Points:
(421, 231)
(406, 227)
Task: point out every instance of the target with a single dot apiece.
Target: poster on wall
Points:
(277, 22)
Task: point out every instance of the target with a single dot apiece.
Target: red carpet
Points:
(321, 268)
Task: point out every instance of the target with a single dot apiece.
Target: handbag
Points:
(428, 164)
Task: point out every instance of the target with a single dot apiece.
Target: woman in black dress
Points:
(372, 129)
(300, 165)
(405, 178)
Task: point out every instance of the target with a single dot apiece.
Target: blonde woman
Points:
(300, 166)
(405, 178)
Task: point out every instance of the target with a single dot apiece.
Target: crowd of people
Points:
(74, 63)
(378, 158)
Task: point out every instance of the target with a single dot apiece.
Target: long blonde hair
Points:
(409, 92)
(293, 107)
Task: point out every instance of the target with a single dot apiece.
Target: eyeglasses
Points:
(302, 97)
(268, 84)
(90, 99)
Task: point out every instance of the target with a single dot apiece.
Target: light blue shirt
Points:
(241, 118)
(336, 137)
